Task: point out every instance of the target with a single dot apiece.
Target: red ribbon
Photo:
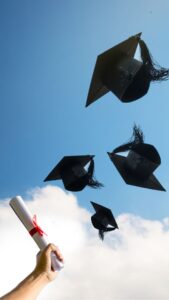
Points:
(36, 228)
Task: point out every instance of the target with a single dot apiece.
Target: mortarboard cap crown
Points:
(71, 169)
(142, 159)
(117, 70)
(103, 219)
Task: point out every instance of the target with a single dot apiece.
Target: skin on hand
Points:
(43, 265)
(32, 285)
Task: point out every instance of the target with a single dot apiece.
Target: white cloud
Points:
(132, 263)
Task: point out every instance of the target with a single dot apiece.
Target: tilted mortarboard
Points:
(71, 169)
(142, 159)
(103, 219)
(117, 70)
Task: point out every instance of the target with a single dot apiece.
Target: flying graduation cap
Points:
(103, 219)
(138, 167)
(71, 169)
(117, 70)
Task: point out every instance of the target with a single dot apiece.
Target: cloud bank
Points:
(131, 264)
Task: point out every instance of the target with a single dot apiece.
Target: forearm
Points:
(29, 288)
(32, 285)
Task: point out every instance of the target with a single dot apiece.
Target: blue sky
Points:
(48, 52)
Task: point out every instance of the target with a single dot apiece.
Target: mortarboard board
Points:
(71, 169)
(117, 70)
(142, 159)
(103, 219)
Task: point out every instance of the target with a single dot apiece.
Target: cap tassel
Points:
(155, 71)
(137, 137)
(92, 181)
(101, 234)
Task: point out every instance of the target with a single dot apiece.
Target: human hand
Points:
(43, 265)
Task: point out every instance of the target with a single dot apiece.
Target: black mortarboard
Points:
(71, 169)
(142, 159)
(103, 219)
(117, 70)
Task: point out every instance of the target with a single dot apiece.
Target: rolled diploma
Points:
(26, 218)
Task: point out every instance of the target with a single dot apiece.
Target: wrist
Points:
(40, 277)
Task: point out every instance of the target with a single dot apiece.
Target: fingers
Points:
(52, 248)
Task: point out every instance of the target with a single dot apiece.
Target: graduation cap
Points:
(142, 160)
(117, 70)
(103, 219)
(71, 169)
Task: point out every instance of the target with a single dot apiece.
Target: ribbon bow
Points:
(36, 228)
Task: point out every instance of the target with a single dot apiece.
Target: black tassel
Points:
(101, 234)
(137, 137)
(92, 181)
(154, 71)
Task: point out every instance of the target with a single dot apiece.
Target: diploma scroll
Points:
(30, 223)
